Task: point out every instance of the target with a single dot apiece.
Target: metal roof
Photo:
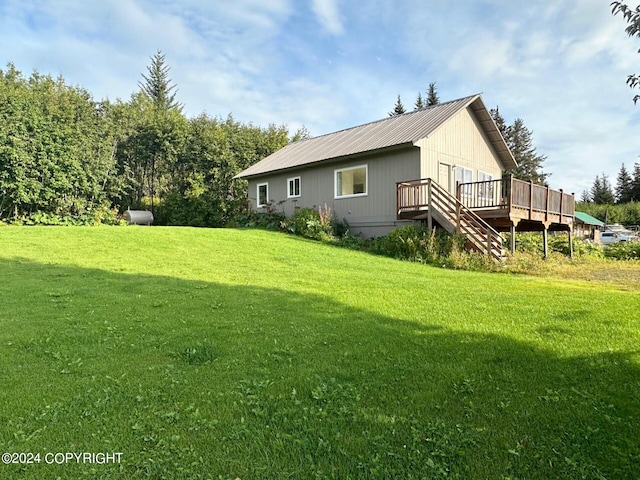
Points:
(588, 219)
(399, 130)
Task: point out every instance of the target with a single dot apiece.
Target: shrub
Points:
(531, 243)
(267, 221)
(100, 215)
(416, 243)
(623, 251)
(310, 223)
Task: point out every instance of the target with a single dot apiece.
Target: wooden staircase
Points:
(425, 199)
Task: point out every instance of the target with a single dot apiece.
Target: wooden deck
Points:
(504, 205)
(509, 202)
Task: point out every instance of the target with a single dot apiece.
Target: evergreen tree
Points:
(499, 121)
(432, 95)
(520, 141)
(157, 84)
(601, 192)
(624, 186)
(585, 197)
(398, 109)
(419, 102)
(635, 184)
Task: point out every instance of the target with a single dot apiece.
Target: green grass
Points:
(204, 353)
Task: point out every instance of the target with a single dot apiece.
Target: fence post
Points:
(530, 199)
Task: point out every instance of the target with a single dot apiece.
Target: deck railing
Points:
(531, 200)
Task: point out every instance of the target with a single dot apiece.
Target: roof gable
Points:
(405, 129)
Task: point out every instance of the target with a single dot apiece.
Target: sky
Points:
(327, 65)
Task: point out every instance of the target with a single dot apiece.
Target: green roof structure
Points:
(588, 219)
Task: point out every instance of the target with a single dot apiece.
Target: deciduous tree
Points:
(632, 17)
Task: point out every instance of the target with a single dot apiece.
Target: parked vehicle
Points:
(607, 238)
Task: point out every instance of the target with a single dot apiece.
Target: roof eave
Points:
(493, 133)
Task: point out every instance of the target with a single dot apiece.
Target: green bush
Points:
(623, 251)
(100, 215)
(310, 223)
(266, 221)
(416, 243)
(531, 243)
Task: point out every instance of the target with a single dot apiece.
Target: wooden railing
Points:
(532, 201)
(437, 203)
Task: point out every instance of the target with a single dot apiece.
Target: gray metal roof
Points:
(405, 129)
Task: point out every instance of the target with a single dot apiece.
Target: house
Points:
(587, 227)
(425, 165)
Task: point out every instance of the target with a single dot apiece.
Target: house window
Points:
(464, 175)
(485, 190)
(263, 194)
(351, 182)
(294, 187)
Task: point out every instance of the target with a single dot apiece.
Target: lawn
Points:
(199, 353)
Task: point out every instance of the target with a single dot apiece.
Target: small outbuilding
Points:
(587, 227)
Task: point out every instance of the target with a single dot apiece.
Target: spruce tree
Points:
(624, 186)
(398, 109)
(432, 95)
(520, 141)
(635, 184)
(585, 197)
(499, 121)
(157, 84)
(419, 102)
(601, 192)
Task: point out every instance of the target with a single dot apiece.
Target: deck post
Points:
(531, 199)
(546, 207)
(545, 242)
(458, 197)
(513, 239)
(570, 245)
(429, 207)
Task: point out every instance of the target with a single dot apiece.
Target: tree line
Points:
(627, 188)
(65, 155)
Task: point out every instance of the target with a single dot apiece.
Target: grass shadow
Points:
(197, 380)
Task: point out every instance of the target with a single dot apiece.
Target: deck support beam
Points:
(570, 244)
(545, 242)
(513, 239)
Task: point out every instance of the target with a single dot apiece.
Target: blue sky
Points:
(334, 64)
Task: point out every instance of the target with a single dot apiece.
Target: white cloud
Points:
(328, 15)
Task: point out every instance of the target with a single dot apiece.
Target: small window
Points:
(351, 182)
(263, 194)
(294, 187)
